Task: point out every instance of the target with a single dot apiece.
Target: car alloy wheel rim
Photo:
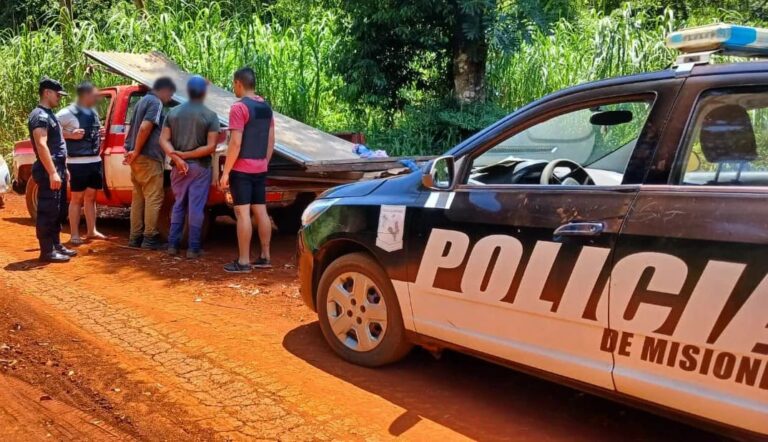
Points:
(356, 311)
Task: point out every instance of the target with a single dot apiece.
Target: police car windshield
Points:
(601, 137)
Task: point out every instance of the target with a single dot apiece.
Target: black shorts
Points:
(86, 176)
(248, 188)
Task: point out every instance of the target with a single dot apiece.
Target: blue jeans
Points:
(190, 193)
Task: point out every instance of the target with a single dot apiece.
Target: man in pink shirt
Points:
(251, 143)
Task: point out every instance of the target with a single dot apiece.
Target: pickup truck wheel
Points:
(288, 219)
(359, 314)
(30, 194)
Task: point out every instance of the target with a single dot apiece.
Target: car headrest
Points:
(727, 135)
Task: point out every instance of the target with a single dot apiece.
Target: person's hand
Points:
(55, 180)
(129, 157)
(78, 134)
(224, 181)
(180, 164)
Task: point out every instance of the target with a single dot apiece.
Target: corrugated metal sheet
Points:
(295, 140)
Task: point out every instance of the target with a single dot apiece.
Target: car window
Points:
(599, 139)
(133, 100)
(102, 107)
(727, 141)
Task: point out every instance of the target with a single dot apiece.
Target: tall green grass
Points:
(294, 59)
(591, 48)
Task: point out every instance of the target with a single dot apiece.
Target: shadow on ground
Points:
(485, 401)
(25, 265)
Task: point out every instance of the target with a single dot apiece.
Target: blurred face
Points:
(238, 89)
(88, 99)
(165, 95)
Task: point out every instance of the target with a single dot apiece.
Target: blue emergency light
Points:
(723, 38)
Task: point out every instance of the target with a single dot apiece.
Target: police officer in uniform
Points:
(49, 172)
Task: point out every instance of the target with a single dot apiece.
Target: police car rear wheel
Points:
(359, 313)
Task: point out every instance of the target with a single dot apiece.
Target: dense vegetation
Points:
(390, 68)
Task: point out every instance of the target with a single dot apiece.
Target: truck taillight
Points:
(274, 197)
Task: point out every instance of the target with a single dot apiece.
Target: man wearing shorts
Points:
(80, 123)
(251, 142)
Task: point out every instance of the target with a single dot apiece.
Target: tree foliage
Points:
(389, 68)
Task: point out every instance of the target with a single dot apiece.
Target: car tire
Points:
(288, 219)
(30, 195)
(390, 345)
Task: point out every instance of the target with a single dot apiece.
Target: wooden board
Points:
(296, 141)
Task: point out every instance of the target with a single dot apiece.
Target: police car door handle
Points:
(580, 229)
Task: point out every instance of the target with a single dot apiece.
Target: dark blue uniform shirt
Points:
(42, 117)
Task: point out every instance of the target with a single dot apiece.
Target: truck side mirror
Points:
(440, 174)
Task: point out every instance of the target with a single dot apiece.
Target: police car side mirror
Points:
(439, 175)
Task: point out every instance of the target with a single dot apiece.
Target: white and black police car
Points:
(612, 236)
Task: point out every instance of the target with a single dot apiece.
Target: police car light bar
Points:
(725, 39)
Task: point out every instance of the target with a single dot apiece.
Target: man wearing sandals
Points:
(251, 143)
(80, 123)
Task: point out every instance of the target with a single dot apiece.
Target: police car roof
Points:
(697, 70)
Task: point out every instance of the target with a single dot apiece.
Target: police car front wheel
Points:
(359, 313)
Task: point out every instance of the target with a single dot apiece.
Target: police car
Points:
(612, 236)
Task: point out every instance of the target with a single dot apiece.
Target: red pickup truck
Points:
(306, 161)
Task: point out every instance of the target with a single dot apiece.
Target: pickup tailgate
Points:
(302, 145)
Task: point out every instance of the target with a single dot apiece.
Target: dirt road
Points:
(159, 348)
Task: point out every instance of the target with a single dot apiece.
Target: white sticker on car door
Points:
(391, 225)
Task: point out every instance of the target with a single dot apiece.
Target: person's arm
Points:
(233, 152)
(40, 136)
(69, 125)
(148, 123)
(271, 141)
(165, 140)
(210, 144)
(238, 115)
(202, 151)
(74, 134)
(167, 146)
(145, 130)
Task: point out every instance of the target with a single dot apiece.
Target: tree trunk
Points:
(139, 5)
(67, 4)
(470, 53)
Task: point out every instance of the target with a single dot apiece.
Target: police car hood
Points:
(393, 185)
(360, 188)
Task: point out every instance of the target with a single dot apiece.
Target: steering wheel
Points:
(577, 175)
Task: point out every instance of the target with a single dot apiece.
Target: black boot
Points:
(64, 251)
(135, 242)
(54, 257)
(153, 243)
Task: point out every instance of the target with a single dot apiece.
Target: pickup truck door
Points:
(116, 174)
(689, 289)
(519, 270)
